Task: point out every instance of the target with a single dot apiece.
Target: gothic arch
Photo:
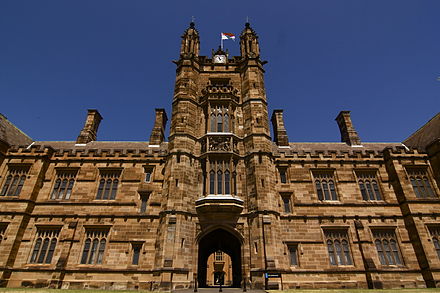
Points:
(224, 239)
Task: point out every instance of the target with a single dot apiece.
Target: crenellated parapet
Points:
(105, 152)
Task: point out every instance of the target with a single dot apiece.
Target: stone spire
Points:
(249, 46)
(90, 130)
(348, 133)
(190, 42)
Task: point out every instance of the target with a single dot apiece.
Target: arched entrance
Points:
(219, 240)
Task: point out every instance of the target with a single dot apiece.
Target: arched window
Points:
(213, 120)
(219, 182)
(108, 184)
(227, 182)
(45, 245)
(420, 182)
(363, 191)
(101, 251)
(325, 185)
(226, 122)
(234, 183)
(436, 246)
(325, 188)
(376, 190)
(86, 251)
(63, 186)
(221, 119)
(93, 252)
(114, 188)
(14, 181)
(387, 248)
(220, 177)
(56, 189)
(36, 250)
(368, 185)
(331, 252)
(380, 251)
(346, 252)
(319, 190)
(337, 246)
(212, 182)
(332, 190)
(219, 123)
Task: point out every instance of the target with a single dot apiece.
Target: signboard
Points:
(272, 275)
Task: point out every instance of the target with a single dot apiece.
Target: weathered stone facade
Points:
(147, 215)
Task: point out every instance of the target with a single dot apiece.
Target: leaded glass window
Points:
(387, 247)
(338, 247)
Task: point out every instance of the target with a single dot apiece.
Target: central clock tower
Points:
(218, 194)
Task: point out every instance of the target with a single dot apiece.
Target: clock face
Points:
(219, 59)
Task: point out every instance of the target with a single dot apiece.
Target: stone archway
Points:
(215, 240)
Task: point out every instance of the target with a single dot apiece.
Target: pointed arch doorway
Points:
(214, 241)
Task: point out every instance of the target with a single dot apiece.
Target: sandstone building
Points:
(149, 214)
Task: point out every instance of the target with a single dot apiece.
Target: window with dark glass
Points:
(293, 254)
(283, 175)
(387, 247)
(14, 181)
(148, 174)
(420, 183)
(144, 202)
(45, 244)
(136, 253)
(220, 119)
(325, 185)
(286, 203)
(219, 179)
(338, 247)
(63, 186)
(94, 246)
(369, 186)
(108, 184)
(435, 233)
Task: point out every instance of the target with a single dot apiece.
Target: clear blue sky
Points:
(379, 59)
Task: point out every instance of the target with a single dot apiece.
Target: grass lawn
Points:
(423, 290)
(32, 290)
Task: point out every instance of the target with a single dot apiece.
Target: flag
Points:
(228, 36)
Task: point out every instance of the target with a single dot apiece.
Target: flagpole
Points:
(221, 41)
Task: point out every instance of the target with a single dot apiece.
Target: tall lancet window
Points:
(219, 122)
(226, 122)
(213, 122)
